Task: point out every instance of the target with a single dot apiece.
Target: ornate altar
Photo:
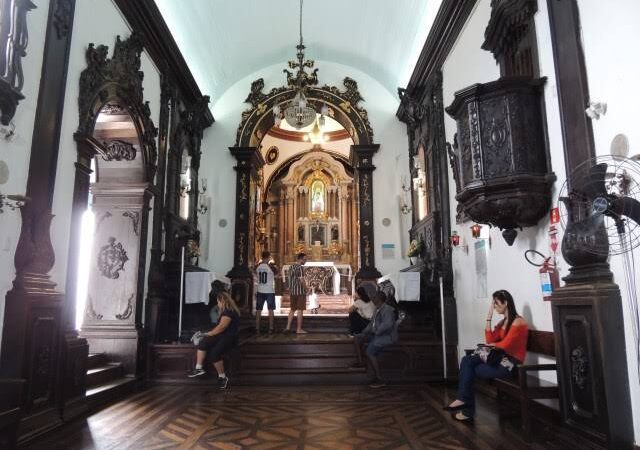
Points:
(325, 276)
(314, 211)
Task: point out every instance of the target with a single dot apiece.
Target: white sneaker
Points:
(196, 373)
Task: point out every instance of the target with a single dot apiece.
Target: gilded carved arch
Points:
(343, 107)
(117, 80)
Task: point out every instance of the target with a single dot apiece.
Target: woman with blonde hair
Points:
(222, 338)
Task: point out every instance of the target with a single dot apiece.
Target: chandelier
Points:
(297, 112)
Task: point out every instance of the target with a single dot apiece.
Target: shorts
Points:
(298, 302)
(264, 297)
(217, 346)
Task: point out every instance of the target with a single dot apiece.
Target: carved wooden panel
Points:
(43, 363)
(584, 400)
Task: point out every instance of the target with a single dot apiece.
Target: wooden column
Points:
(362, 160)
(36, 314)
(249, 160)
(282, 235)
(587, 311)
(291, 222)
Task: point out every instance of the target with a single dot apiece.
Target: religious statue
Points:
(317, 196)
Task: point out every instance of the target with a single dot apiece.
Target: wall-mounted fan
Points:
(604, 197)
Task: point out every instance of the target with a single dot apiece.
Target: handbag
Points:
(490, 355)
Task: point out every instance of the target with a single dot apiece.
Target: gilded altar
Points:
(313, 210)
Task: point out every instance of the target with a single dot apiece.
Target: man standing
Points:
(297, 292)
(266, 273)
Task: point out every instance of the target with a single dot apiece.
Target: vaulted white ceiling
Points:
(226, 40)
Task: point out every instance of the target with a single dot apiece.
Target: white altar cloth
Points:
(408, 287)
(197, 286)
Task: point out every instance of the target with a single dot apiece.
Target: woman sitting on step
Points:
(222, 338)
(361, 312)
(507, 347)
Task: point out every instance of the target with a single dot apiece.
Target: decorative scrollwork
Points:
(135, 220)
(366, 196)
(117, 80)
(62, 17)
(111, 259)
(90, 311)
(117, 150)
(343, 106)
(579, 367)
(128, 310)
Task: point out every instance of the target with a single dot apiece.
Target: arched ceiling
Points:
(224, 41)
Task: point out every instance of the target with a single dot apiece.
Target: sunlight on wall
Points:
(86, 237)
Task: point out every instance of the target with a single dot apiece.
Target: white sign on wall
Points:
(388, 251)
(481, 268)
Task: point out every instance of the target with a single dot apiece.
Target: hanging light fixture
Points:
(297, 112)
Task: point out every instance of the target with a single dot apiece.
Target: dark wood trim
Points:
(446, 28)
(571, 80)
(46, 127)
(144, 17)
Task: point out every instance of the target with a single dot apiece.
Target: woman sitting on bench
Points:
(222, 338)
(507, 347)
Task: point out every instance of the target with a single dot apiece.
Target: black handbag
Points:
(495, 356)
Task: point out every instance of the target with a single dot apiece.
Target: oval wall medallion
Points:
(272, 155)
(222, 223)
(386, 221)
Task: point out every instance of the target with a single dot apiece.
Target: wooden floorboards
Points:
(347, 417)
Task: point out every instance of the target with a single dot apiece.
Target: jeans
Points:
(472, 367)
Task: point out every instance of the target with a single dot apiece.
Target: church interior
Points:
(428, 159)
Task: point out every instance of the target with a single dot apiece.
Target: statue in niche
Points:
(301, 233)
(317, 196)
(334, 233)
(318, 235)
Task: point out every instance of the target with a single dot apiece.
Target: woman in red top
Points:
(509, 335)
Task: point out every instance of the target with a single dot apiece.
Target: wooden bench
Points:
(526, 387)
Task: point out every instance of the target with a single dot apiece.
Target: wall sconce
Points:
(476, 228)
(12, 202)
(454, 239)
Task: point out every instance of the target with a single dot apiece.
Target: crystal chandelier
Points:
(297, 112)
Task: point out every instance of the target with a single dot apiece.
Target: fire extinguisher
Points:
(549, 277)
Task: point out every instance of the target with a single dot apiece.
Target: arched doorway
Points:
(251, 152)
(115, 169)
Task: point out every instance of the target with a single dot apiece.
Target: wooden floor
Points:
(201, 417)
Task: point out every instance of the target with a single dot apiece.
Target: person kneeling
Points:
(222, 338)
(507, 347)
(382, 333)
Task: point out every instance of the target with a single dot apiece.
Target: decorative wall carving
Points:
(128, 310)
(505, 178)
(135, 220)
(14, 38)
(117, 150)
(63, 17)
(343, 107)
(510, 36)
(111, 259)
(579, 367)
(117, 80)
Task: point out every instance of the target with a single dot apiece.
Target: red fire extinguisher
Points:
(549, 277)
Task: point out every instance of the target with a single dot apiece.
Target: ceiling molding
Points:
(145, 18)
(448, 24)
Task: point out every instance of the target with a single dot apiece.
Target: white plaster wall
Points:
(16, 152)
(217, 162)
(507, 269)
(611, 38)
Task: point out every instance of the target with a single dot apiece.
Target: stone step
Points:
(104, 374)
(97, 360)
(302, 376)
(287, 361)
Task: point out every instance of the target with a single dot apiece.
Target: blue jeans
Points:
(472, 367)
